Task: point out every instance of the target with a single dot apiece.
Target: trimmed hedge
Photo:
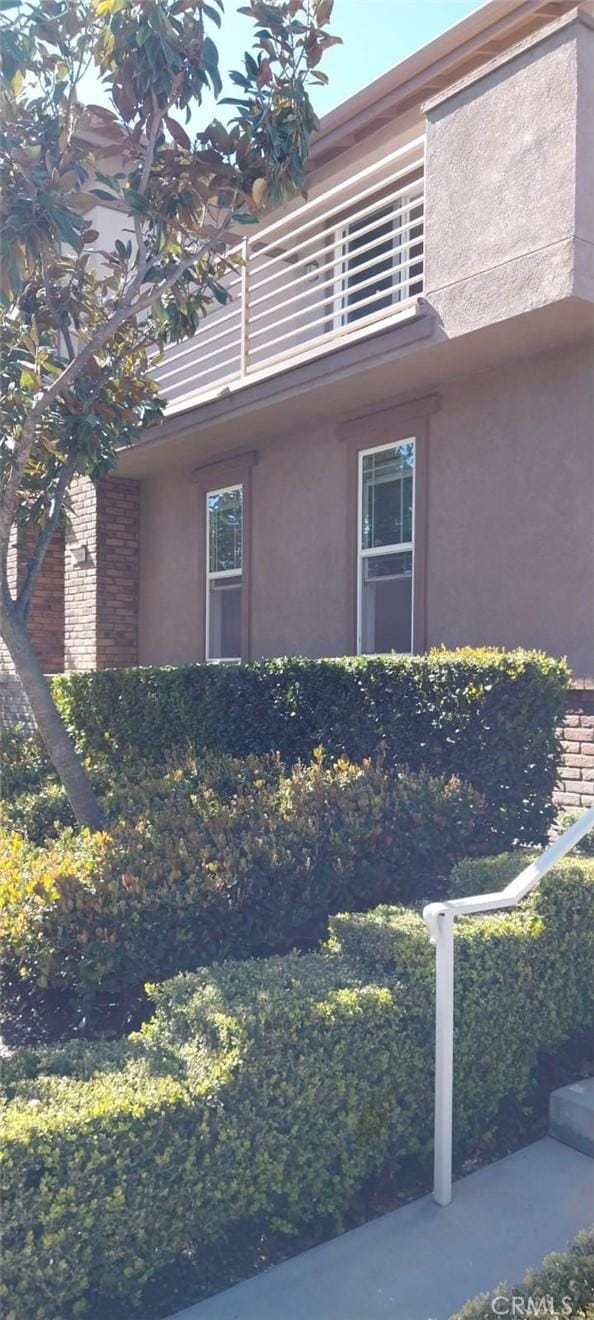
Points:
(486, 715)
(563, 822)
(562, 1287)
(262, 1094)
(516, 964)
(231, 859)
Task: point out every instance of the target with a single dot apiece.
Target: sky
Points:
(376, 35)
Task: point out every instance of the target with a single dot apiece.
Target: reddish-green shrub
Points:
(243, 858)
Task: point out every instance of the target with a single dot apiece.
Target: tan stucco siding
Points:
(511, 509)
(299, 596)
(168, 631)
(510, 557)
(509, 185)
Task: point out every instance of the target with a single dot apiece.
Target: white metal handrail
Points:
(439, 919)
(345, 264)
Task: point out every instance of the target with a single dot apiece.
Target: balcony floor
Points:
(423, 1262)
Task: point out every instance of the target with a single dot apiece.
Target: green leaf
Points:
(103, 195)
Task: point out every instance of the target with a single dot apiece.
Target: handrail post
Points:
(439, 919)
(244, 326)
(444, 1057)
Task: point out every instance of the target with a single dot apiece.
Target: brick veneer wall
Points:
(576, 788)
(101, 595)
(46, 615)
(118, 546)
(83, 615)
(80, 579)
(14, 707)
(46, 623)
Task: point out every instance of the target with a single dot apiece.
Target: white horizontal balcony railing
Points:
(340, 267)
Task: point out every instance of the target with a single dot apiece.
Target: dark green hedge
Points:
(262, 1094)
(562, 1288)
(488, 716)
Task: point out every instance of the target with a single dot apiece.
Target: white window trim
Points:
(220, 574)
(403, 548)
(401, 280)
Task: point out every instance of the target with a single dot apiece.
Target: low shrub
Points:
(236, 859)
(562, 1287)
(24, 764)
(489, 874)
(39, 815)
(492, 873)
(518, 976)
(563, 822)
(263, 1093)
(488, 716)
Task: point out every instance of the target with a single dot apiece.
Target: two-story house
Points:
(385, 440)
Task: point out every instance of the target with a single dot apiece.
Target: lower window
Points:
(224, 577)
(386, 548)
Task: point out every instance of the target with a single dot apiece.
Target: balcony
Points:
(343, 266)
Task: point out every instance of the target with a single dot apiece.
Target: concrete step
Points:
(571, 1115)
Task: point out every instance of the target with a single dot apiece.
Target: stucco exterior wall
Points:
(170, 599)
(299, 555)
(584, 206)
(510, 541)
(511, 509)
(297, 589)
(502, 192)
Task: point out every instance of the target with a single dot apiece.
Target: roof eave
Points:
(475, 39)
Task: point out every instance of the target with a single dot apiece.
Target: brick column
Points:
(576, 786)
(118, 545)
(80, 578)
(101, 575)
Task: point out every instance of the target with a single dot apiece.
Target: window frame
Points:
(218, 474)
(220, 574)
(404, 547)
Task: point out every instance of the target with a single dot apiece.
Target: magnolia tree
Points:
(82, 326)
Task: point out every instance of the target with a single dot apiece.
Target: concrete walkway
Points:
(422, 1262)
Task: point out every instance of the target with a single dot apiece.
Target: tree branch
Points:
(133, 304)
(62, 329)
(157, 118)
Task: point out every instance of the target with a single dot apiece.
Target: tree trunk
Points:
(58, 743)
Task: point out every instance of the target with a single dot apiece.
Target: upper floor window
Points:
(386, 548)
(379, 259)
(224, 575)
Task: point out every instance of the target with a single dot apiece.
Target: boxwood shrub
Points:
(263, 1093)
(234, 858)
(486, 715)
(523, 958)
(563, 1286)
